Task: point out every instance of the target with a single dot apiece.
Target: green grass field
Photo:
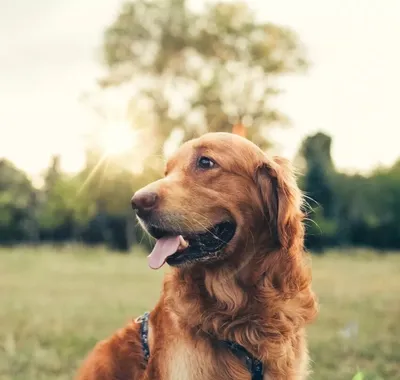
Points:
(55, 305)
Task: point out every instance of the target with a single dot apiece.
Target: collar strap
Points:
(254, 366)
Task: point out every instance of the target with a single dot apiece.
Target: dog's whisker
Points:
(313, 222)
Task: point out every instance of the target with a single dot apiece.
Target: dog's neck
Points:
(247, 304)
(225, 302)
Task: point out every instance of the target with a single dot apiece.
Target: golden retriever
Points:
(228, 221)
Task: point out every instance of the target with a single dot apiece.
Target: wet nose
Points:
(144, 201)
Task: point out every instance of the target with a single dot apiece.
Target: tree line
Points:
(348, 210)
(342, 209)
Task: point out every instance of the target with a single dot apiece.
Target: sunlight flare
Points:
(118, 139)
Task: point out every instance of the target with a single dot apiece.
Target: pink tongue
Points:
(164, 247)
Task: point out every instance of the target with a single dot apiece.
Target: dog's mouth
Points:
(177, 249)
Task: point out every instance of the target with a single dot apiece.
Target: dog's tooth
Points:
(183, 244)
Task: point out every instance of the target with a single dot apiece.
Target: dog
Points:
(228, 221)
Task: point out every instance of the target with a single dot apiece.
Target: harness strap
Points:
(254, 365)
(144, 334)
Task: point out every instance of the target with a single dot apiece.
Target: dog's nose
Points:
(144, 201)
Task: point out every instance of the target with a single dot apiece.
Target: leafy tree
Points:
(16, 199)
(64, 208)
(111, 186)
(384, 203)
(201, 71)
(318, 184)
(318, 181)
(350, 209)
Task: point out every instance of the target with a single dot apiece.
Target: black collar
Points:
(254, 365)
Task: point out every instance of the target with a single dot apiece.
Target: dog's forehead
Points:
(220, 141)
(210, 143)
(217, 145)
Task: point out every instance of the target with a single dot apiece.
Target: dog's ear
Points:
(266, 180)
(281, 200)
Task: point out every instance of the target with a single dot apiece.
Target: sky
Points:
(51, 54)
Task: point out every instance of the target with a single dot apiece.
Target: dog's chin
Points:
(205, 246)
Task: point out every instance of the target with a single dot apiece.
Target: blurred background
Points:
(95, 96)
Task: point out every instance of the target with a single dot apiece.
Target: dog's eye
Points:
(205, 163)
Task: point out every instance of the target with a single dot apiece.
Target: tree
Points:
(111, 186)
(16, 199)
(64, 208)
(319, 187)
(383, 220)
(201, 71)
(319, 178)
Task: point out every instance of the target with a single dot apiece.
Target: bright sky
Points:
(51, 54)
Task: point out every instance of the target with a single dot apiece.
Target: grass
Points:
(56, 304)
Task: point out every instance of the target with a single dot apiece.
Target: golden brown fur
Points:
(257, 293)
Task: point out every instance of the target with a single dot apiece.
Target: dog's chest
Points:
(194, 362)
(186, 363)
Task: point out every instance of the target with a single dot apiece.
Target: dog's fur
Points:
(257, 293)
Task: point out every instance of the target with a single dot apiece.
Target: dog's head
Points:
(220, 193)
